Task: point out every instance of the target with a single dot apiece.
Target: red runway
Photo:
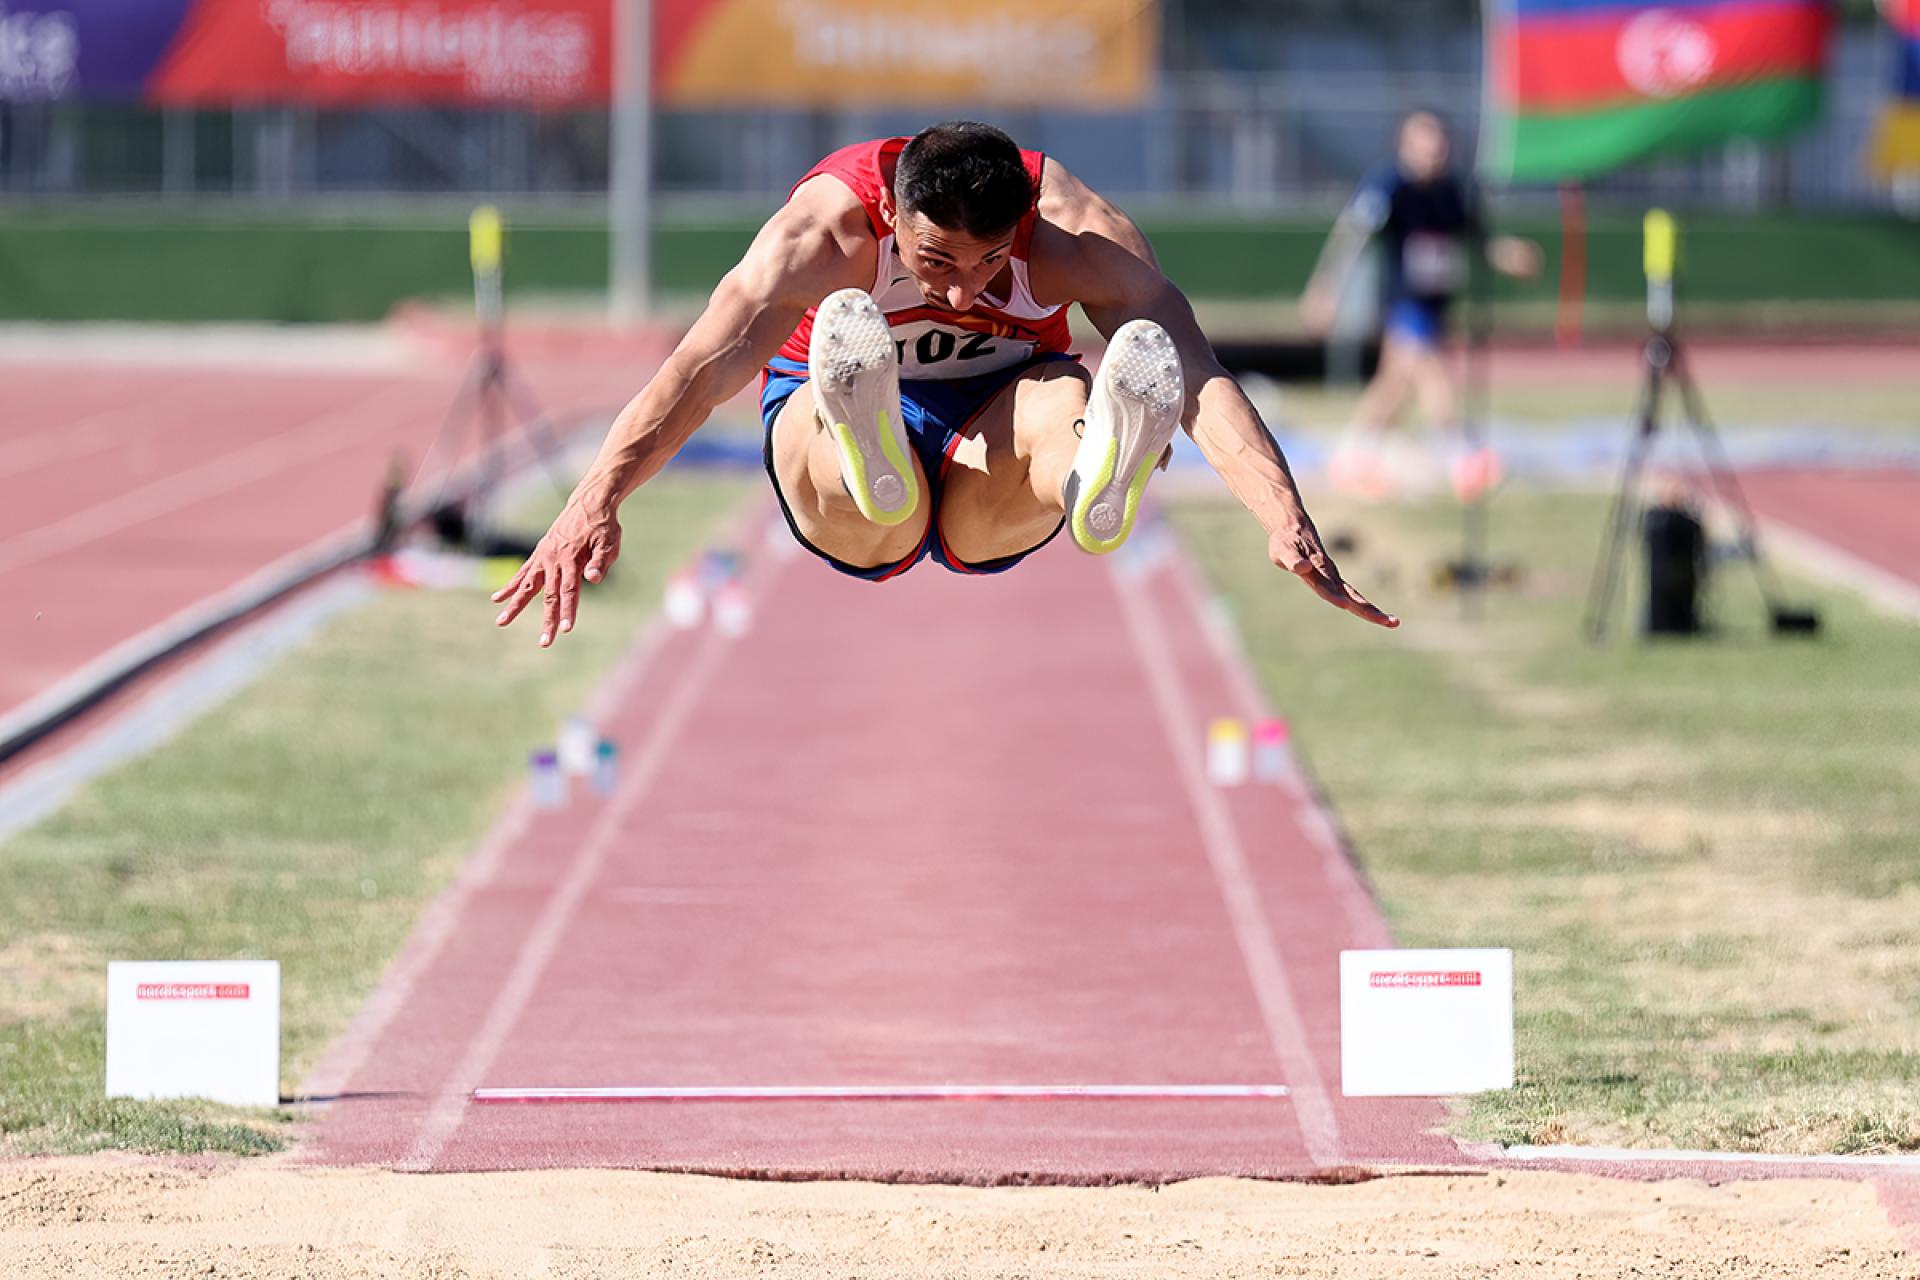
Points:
(1873, 516)
(131, 493)
(942, 832)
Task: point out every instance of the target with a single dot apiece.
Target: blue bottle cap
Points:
(607, 749)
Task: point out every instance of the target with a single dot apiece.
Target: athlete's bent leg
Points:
(1001, 497)
(807, 467)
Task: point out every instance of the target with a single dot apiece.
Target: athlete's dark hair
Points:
(964, 177)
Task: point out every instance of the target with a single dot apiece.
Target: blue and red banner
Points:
(1579, 87)
(549, 53)
(559, 53)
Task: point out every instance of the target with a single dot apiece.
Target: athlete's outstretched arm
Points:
(805, 251)
(1115, 284)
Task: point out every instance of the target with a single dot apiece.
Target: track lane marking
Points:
(349, 1053)
(530, 963)
(313, 438)
(1312, 815)
(1286, 1031)
(873, 1093)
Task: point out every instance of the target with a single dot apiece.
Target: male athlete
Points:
(907, 309)
(1426, 220)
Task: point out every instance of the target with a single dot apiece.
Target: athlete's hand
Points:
(1297, 549)
(581, 545)
(1512, 256)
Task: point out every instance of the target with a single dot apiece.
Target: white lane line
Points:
(1365, 924)
(1286, 1032)
(510, 1002)
(879, 1093)
(93, 433)
(349, 1053)
(311, 439)
(1638, 1155)
(43, 789)
(1821, 560)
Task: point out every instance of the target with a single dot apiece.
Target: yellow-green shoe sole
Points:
(1083, 503)
(854, 464)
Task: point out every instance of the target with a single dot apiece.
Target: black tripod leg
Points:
(535, 423)
(1727, 484)
(1606, 574)
(472, 389)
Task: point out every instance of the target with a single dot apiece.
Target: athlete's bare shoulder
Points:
(1084, 249)
(1072, 206)
(817, 242)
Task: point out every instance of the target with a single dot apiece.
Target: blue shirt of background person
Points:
(1426, 227)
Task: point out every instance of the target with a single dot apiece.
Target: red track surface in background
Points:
(1871, 515)
(130, 494)
(933, 832)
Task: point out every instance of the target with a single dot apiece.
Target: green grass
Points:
(1886, 408)
(139, 262)
(1702, 853)
(306, 821)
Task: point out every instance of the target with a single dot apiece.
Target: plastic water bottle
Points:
(685, 604)
(577, 741)
(547, 783)
(1272, 751)
(1227, 752)
(606, 767)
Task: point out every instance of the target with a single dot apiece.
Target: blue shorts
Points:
(1420, 321)
(937, 415)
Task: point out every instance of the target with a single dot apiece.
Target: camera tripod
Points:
(493, 399)
(1663, 364)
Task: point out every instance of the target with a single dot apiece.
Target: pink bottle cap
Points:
(1270, 730)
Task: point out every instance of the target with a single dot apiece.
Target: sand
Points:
(133, 1217)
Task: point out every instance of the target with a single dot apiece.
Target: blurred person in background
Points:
(906, 315)
(1427, 221)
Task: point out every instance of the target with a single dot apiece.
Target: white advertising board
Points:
(1425, 1023)
(194, 1029)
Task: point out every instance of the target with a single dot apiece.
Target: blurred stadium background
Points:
(1702, 853)
(1232, 128)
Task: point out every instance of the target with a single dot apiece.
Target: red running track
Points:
(1872, 515)
(942, 831)
(130, 494)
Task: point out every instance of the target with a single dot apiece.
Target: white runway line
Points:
(511, 1001)
(1365, 924)
(1286, 1032)
(1636, 1155)
(879, 1093)
(437, 923)
(1820, 559)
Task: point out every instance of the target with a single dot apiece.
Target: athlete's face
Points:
(1423, 147)
(951, 267)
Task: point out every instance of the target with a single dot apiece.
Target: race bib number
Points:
(1432, 265)
(930, 351)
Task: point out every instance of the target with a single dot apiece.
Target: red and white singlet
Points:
(933, 342)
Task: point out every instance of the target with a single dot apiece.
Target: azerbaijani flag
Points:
(1578, 87)
(1896, 147)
